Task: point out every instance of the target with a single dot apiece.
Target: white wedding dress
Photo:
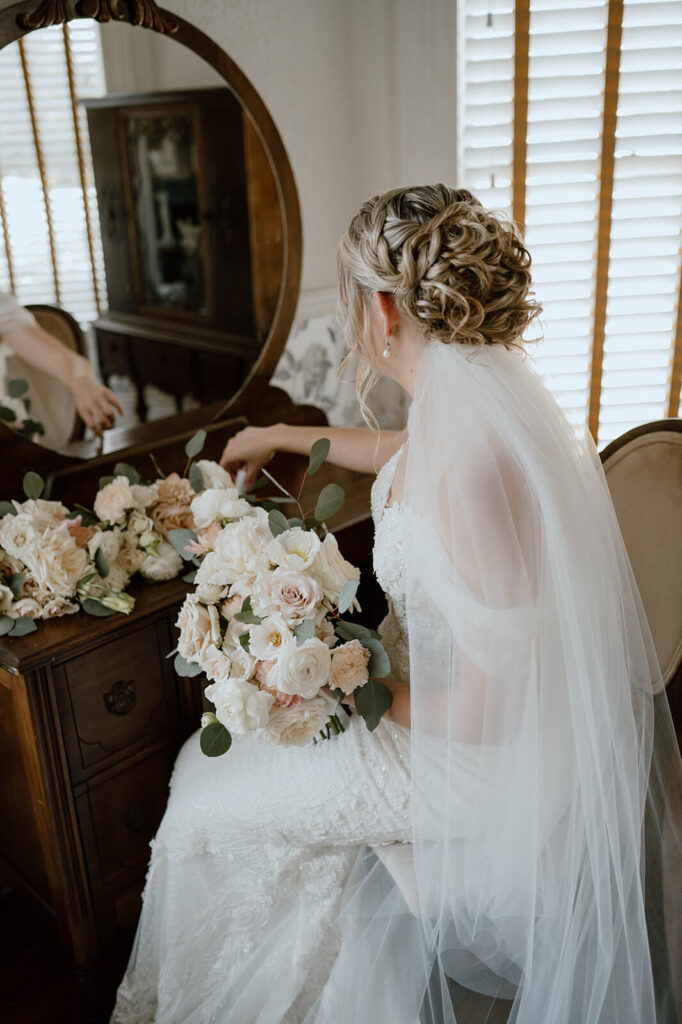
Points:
(241, 902)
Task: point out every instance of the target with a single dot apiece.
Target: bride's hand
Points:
(348, 700)
(250, 449)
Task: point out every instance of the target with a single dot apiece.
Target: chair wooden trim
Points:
(70, 333)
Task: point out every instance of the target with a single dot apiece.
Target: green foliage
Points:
(190, 576)
(186, 669)
(245, 640)
(22, 626)
(34, 485)
(196, 478)
(304, 631)
(247, 615)
(329, 502)
(195, 444)
(8, 415)
(347, 595)
(6, 624)
(318, 454)
(123, 469)
(85, 579)
(277, 521)
(379, 665)
(104, 480)
(92, 606)
(101, 563)
(7, 509)
(372, 701)
(179, 539)
(215, 739)
(16, 583)
(17, 387)
(354, 631)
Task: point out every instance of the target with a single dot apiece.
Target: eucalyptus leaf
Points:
(27, 404)
(277, 522)
(8, 415)
(17, 387)
(186, 669)
(278, 499)
(179, 539)
(34, 485)
(304, 631)
(310, 523)
(104, 480)
(101, 563)
(195, 444)
(268, 505)
(22, 626)
(215, 739)
(245, 640)
(372, 701)
(329, 502)
(354, 631)
(318, 454)
(196, 478)
(189, 577)
(6, 624)
(379, 665)
(94, 607)
(85, 579)
(259, 484)
(16, 583)
(88, 517)
(295, 521)
(347, 595)
(30, 427)
(247, 615)
(128, 471)
(7, 509)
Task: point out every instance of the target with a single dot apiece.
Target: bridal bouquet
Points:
(15, 410)
(264, 621)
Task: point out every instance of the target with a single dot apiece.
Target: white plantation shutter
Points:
(65, 267)
(563, 151)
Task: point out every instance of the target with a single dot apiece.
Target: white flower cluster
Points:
(260, 621)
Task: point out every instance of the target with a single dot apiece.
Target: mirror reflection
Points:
(137, 198)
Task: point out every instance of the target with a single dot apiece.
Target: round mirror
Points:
(146, 193)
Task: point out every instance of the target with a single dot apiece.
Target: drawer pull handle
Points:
(120, 699)
(139, 818)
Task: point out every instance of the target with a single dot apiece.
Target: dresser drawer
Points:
(118, 813)
(116, 699)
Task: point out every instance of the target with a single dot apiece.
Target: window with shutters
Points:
(573, 126)
(50, 249)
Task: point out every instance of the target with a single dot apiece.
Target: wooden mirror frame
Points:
(27, 16)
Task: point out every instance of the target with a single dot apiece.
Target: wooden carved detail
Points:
(50, 12)
(138, 12)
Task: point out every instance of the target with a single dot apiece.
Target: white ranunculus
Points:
(332, 569)
(214, 476)
(294, 549)
(268, 639)
(241, 707)
(239, 549)
(301, 669)
(293, 594)
(215, 505)
(162, 563)
(298, 725)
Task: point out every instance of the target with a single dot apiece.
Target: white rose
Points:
(163, 563)
(215, 663)
(298, 725)
(267, 640)
(214, 476)
(45, 513)
(294, 549)
(301, 669)
(242, 664)
(241, 707)
(332, 569)
(239, 550)
(295, 595)
(6, 599)
(194, 624)
(217, 504)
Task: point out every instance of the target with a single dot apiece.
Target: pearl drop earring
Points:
(387, 351)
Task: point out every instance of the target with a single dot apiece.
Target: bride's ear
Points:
(388, 311)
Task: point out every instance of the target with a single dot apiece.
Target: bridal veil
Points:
(543, 884)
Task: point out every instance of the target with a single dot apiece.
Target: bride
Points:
(506, 844)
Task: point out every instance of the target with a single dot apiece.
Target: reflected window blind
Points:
(573, 126)
(50, 246)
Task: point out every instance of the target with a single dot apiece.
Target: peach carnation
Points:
(349, 667)
(172, 509)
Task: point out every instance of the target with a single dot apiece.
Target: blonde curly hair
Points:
(458, 270)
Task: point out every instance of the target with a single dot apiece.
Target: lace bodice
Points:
(389, 566)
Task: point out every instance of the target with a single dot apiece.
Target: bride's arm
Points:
(351, 447)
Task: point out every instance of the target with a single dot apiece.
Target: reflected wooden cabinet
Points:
(192, 240)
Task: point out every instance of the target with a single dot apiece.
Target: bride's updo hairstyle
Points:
(459, 271)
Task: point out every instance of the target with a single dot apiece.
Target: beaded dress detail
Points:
(241, 900)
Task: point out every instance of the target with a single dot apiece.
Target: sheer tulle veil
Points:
(543, 882)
